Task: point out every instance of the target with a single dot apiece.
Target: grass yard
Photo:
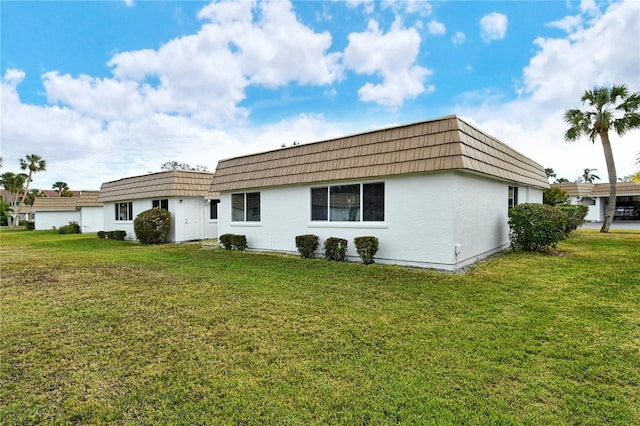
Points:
(97, 331)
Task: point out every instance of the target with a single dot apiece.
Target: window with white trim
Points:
(348, 203)
(245, 207)
(124, 211)
(513, 196)
(162, 204)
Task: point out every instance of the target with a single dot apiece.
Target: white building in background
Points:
(596, 197)
(436, 194)
(54, 212)
(181, 192)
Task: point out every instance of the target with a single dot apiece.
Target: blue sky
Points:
(108, 89)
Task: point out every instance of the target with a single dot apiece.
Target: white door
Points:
(193, 225)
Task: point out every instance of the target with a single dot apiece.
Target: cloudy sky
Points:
(109, 89)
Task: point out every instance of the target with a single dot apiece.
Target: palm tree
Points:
(35, 164)
(14, 185)
(609, 108)
(60, 187)
(588, 176)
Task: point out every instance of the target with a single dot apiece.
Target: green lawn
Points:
(96, 331)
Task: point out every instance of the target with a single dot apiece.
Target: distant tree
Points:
(555, 196)
(550, 173)
(34, 163)
(609, 108)
(32, 195)
(635, 177)
(588, 176)
(562, 180)
(60, 187)
(14, 187)
(175, 165)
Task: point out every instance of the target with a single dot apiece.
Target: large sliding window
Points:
(124, 211)
(348, 203)
(245, 207)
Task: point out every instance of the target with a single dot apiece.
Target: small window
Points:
(245, 207)
(213, 209)
(513, 196)
(124, 211)
(162, 204)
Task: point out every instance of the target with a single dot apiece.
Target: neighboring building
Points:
(596, 197)
(435, 193)
(54, 212)
(181, 192)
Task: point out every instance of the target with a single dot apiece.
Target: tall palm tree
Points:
(14, 185)
(588, 176)
(60, 187)
(35, 164)
(609, 108)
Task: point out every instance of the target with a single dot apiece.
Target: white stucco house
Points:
(54, 212)
(596, 197)
(436, 193)
(181, 192)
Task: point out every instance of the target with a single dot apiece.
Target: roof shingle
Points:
(446, 143)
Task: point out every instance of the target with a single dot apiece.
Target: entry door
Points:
(193, 211)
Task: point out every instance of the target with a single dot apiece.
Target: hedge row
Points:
(112, 235)
(336, 248)
(538, 227)
(233, 242)
(71, 228)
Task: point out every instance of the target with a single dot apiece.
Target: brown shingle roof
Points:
(575, 189)
(84, 199)
(48, 204)
(446, 143)
(174, 183)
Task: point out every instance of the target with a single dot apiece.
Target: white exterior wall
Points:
(596, 211)
(91, 219)
(54, 220)
(189, 218)
(481, 217)
(426, 216)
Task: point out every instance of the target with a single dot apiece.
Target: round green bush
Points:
(307, 245)
(153, 226)
(367, 247)
(536, 227)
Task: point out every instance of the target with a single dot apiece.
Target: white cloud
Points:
(493, 27)
(129, 3)
(554, 80)
(392, 56)
(367, 5)
(436, 28)
(205, 75)
(567, 24)
(400, 7)
(458, 38)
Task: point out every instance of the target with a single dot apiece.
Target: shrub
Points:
(536, 227)
(30, 225)
(71, 228)
(335, 249)
(152, 226)
(239, 242)
(102, 235)
(225, 240)
(117, 235)
(367, 247)
(307, 245)
(555, 196)
(574, 217)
